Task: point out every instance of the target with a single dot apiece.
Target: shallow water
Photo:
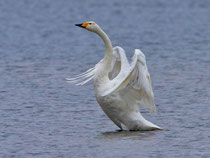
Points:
(43, 116)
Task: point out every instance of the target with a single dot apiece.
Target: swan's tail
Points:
(152, 126)
(82, 78)
(139, 123)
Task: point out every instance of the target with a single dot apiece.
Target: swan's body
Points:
(120, 87)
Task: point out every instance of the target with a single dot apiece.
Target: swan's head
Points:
(90, 25)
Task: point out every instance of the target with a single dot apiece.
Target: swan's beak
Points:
(83, 25)
(80, 25)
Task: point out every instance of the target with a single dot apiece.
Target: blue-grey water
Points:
(41, 115)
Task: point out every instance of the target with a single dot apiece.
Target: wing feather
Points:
(82, 78)
(133, 80)
(119, 73)
(119, 61)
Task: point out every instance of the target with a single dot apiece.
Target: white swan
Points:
(120, 87)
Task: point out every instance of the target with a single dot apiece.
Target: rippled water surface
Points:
(43, 116)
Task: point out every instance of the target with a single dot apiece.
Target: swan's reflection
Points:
(135, 135)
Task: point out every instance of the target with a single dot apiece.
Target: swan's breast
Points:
(111, 103)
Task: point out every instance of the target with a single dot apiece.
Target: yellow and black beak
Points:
(83, 25)
(80, 25)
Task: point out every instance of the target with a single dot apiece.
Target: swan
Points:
(120, 88)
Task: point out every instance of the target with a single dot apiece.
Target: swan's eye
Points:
(90, 23)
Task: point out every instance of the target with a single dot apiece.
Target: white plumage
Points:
(120, 87)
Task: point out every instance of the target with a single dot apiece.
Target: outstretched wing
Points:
(119, 72)
(119, 61)
(133, 80)
(141, 82)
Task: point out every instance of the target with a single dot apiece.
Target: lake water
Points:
(41, 115)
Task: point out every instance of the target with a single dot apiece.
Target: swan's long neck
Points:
(108, 50)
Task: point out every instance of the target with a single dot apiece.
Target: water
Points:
(43, 116)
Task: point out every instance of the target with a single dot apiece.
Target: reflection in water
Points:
(133, 135)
